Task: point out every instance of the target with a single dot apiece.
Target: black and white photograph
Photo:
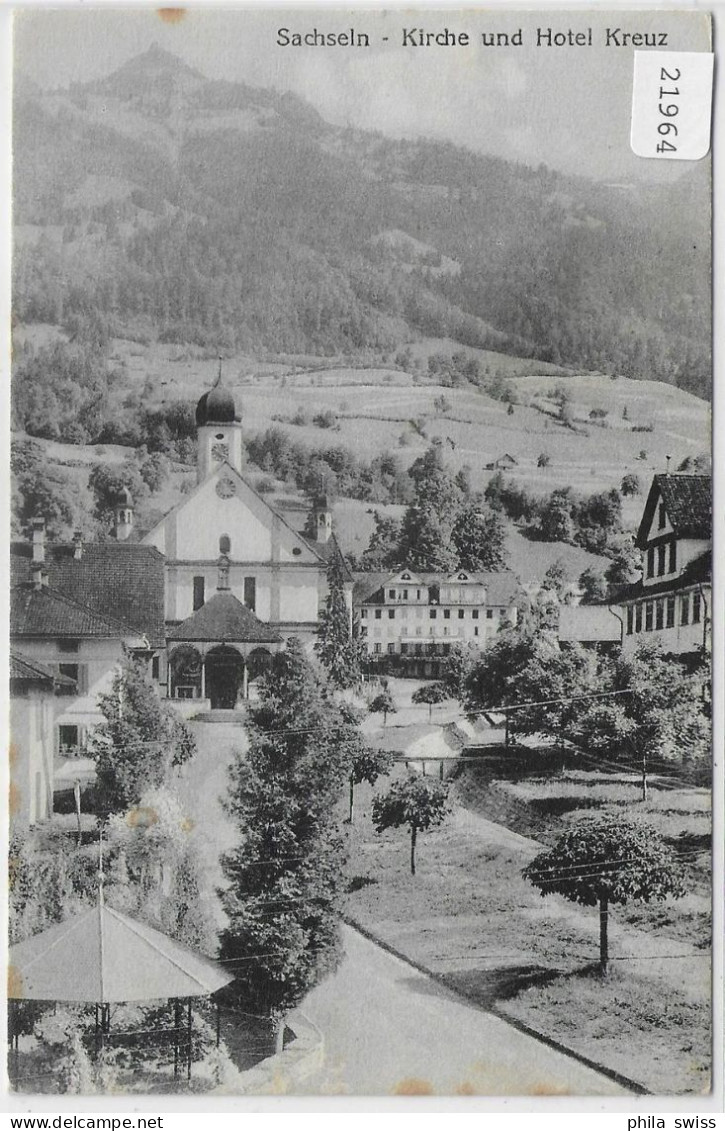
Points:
(360, 591)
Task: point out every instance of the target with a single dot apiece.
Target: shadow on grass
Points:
(487, 987)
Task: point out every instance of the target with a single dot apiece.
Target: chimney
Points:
(39, 576)
(668, 458)
(78, 545)
(38, 527)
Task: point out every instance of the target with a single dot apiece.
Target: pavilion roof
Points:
(105, 956)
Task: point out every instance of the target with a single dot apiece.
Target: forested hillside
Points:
(157, 205)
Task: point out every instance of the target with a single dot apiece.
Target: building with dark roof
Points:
(410, 620)
(672, 600)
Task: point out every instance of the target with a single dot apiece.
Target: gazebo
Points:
(104, 957)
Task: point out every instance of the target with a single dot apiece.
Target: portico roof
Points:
(224, 620)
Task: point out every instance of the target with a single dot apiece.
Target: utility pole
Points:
(644, 775)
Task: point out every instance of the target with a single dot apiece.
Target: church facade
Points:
(239, 579)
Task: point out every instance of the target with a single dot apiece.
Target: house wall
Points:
(679, 638)
(32, 744)
(417, 625)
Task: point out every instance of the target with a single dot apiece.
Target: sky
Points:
(568, 107)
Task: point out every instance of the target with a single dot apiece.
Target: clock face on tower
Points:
(220, 452)
(225, 488)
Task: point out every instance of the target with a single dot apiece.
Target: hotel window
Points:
(419, 649)
(475, 631)
(391, 594)
(363, 631)
(433, 613)
(461, 614)
(696, 603)
(630, 619)
(661, 552)
(378, 614)
(670, 612)
(69, 645)
(446, 614)
(673, 556)
(250, 593)
(391, 649)
(638, 618)
(404, 649)
(405, 594)
(489, 614)
(198, 592)
(77, 672)
(659, 614)
(377, 648)
(651, 561)
(391, 614)
(685, 613)
(417, 594)
(474, 614)
(648, 616)
(363, 614)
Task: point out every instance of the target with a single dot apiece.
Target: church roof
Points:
(217, 405)
(118, 580)
(225, 619)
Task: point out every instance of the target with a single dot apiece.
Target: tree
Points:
(631, 484)
(383, 704)
(544, 460)
(285, 875)
(138, 743)
(607, 861)
(479, 537)
(382, 552)
(425, 540)
(340, 651)
(556, 579)
(367, 765)
(593, 585)
(418, 802)
(555, 518)
(430, 693)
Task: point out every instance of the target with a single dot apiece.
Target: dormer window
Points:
(405, 577)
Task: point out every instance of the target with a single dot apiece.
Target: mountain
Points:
(158, 203)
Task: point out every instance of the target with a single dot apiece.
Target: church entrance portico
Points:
(225, 677)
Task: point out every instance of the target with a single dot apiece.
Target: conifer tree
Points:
(339, 649)
(285, 876)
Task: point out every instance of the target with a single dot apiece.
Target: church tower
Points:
(218, 430)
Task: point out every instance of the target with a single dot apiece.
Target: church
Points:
(207, 596)
(239, 579)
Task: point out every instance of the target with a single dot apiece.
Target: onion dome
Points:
(217, 406)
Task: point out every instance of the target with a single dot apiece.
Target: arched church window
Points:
(225, 544)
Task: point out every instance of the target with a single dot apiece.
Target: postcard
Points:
(361, 584)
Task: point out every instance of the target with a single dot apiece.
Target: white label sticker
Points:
(672, 104)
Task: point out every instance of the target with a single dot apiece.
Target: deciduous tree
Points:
(418, 802)
(607, 861)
